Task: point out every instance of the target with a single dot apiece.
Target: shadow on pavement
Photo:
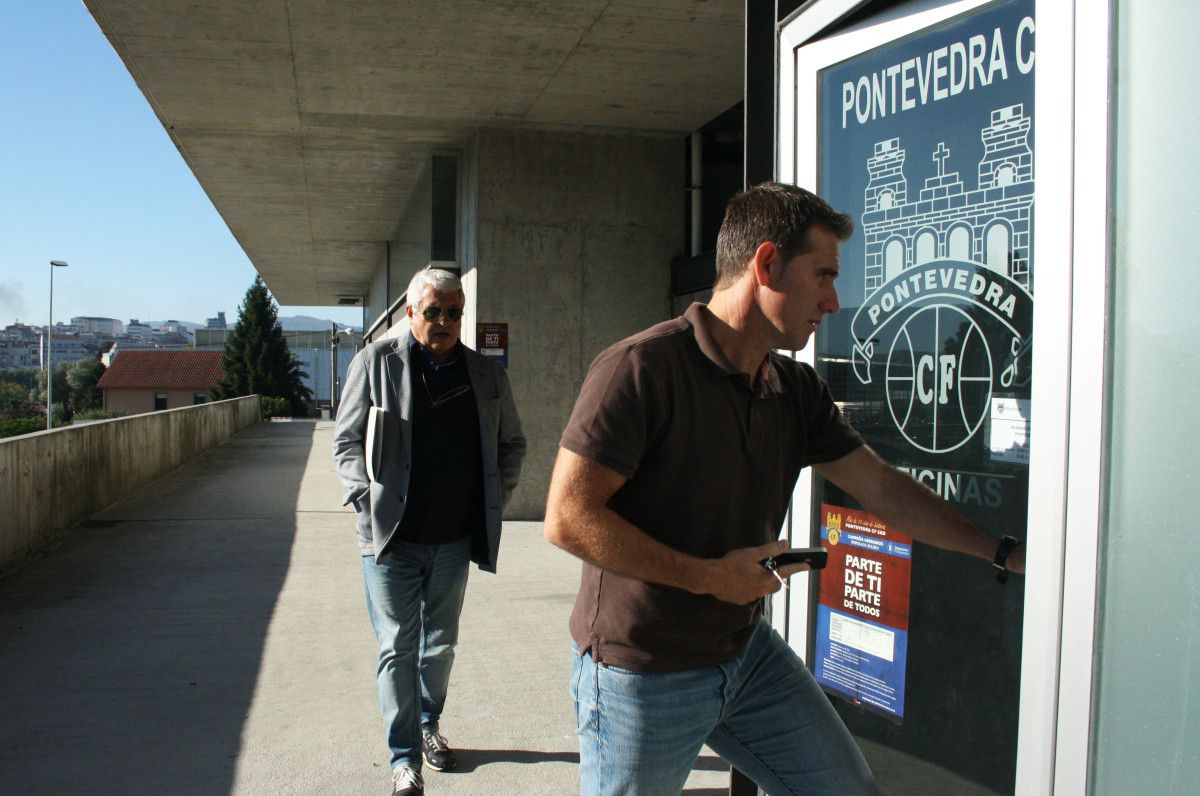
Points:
(130, 654)
(471, 759)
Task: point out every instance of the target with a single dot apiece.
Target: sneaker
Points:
(437, 753)
(407, 782)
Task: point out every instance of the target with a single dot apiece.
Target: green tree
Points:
(61, 389)
(15, 402)
(81, 381)
(24, 377)
(257, 358)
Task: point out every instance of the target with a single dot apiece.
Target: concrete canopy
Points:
(307, 122)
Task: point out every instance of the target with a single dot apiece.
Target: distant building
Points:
(108, 327)
(152, 380)
(310, 348)
(138, 330)
(19, 355)
(20, 346)
(169, 338)
(18, 331)
(217, 322)
(73, 347)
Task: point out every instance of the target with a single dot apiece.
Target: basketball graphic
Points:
(939, 378)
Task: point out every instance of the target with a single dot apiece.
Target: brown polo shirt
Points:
(711, 464)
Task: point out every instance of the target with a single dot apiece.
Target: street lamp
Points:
(50, 349)
(333, 366)
(333, 341)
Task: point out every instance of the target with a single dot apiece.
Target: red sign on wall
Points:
(491, 340)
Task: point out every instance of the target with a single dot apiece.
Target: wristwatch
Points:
(1000, 562)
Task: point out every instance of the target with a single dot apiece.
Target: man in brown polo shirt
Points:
(672, 482)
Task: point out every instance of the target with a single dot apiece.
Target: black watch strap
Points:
(1000, 562)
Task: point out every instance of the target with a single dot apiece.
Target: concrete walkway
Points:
(208, 635)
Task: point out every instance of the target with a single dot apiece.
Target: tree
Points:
(81, 381)
(257, 359)
(61, 389)
(74, 387)
(15, 403)
(23, 377)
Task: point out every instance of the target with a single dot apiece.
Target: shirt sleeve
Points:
(613, 419)
(829, 435)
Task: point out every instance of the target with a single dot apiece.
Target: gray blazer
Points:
(381, 376)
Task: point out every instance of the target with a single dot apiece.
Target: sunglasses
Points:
(431, 314)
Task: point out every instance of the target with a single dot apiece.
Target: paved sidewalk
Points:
(208, 635)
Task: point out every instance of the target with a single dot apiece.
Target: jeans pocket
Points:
(623, 672)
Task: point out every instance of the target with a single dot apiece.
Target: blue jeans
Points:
(415, 595)
(640, 733)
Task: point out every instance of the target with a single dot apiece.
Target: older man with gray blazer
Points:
(429, 446)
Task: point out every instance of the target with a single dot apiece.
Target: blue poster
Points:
(863, 610)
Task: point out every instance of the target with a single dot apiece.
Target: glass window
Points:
(1146, 727)
(160, 401)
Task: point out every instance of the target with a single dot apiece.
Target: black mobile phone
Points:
(815, 557)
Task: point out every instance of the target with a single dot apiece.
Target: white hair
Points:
(437, 278)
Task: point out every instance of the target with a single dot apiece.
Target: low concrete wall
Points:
(53, 480)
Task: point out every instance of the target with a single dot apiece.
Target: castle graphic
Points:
(990, 225)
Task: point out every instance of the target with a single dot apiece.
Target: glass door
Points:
(920, 124)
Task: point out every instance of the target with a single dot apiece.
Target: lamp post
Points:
(333, 367)
(50, 349)
(333, 341)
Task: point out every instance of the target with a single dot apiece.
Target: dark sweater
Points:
(445, 496)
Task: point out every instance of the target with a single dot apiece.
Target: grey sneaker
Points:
(407, 782)
(437, 753)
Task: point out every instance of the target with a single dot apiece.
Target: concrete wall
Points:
(574, 238)
(53, 480)
(377, 300)
(410, 241)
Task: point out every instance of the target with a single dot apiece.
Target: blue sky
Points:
(88, 175)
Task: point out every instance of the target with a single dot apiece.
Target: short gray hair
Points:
(437, 278)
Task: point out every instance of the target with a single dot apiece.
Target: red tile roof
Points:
(157, 369)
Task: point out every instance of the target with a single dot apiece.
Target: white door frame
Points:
(1071, 242)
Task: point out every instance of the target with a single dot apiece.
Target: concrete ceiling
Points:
(307, 122)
